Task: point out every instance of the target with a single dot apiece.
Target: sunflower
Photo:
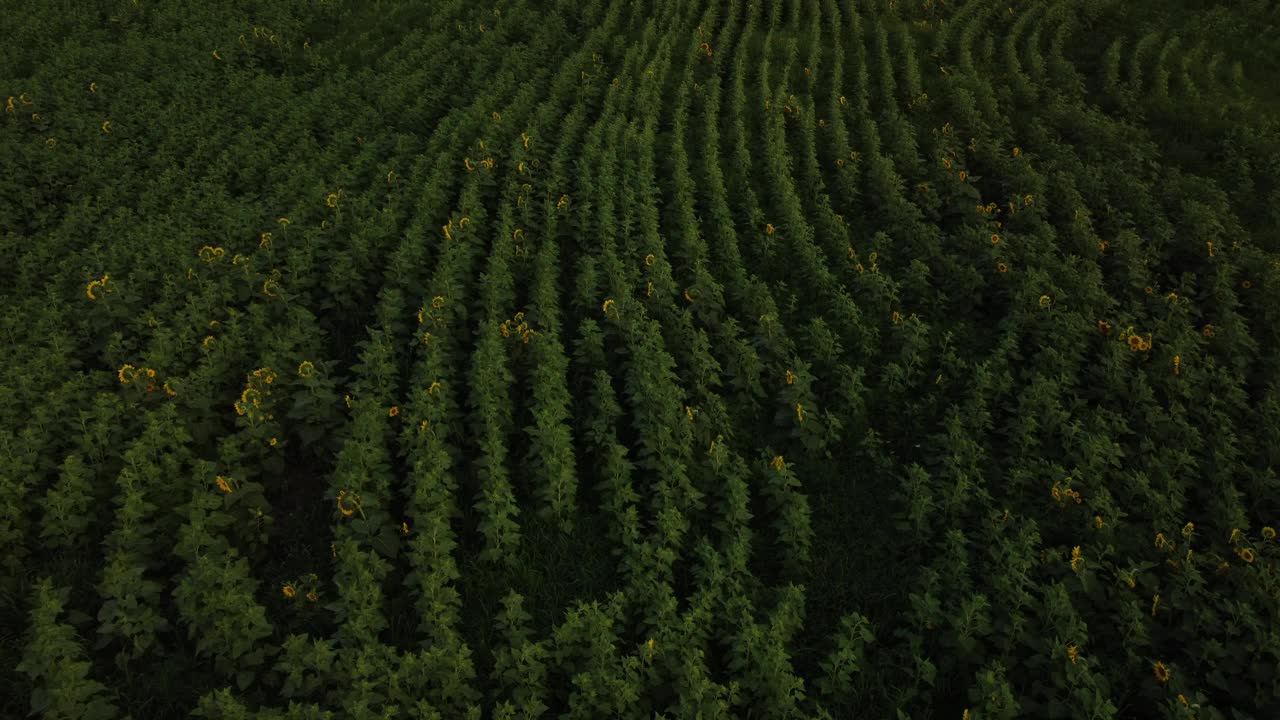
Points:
(394, 411)
(1002, 268)
(348, 509)
(306, 369)
(1072, 653)
(1247, 555)
(289, 590)
(1269, 533)
(223, 484)
(1162, 672)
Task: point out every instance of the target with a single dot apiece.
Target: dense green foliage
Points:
(669, 359)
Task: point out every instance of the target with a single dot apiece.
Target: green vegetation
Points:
(672, 359)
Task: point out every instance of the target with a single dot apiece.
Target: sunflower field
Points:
(648, 359)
